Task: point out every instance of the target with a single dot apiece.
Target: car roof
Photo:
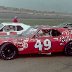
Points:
(25, 26)
(11, 23)
(50, 27)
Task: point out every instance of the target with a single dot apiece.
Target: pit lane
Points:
(56, 63)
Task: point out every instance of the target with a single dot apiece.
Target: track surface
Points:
(56, 63)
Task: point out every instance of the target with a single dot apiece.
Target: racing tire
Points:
(8, 51)
(68, 49)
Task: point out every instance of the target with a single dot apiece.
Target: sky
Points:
(42, 5)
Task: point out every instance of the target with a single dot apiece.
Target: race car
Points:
(13, 27)
(36, 40)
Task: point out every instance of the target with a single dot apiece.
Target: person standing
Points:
(15, 19)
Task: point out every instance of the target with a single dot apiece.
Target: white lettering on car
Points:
(65, 32)
(46, 43)
(22, 45)
(55, 39)
(64, 38)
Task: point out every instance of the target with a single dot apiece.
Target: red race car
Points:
(36, 40)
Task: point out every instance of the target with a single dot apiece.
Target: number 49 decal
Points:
(46, 43)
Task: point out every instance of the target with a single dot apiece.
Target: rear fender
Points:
(67, 43)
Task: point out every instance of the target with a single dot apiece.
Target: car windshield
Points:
(65, 25)
(1, 25)
(69, 25)
(62, 25)
(29, 31)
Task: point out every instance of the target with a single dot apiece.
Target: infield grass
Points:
(40, 21)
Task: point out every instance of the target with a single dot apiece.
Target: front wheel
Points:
(68, 49)
(8, 51)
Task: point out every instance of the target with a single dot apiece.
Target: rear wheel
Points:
(68, 49)
(8, 51)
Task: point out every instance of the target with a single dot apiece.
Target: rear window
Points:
(19, 28)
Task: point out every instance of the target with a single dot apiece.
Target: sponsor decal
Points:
(22, 45)
(55, 39)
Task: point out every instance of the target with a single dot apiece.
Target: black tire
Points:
(8, 51)
(68, 49)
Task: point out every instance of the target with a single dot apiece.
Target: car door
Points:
(39, 43)
(46, 43)
(56, 43)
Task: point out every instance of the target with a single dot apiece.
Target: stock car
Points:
(36, 40)
(7, 27)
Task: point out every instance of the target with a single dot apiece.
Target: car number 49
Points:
(46, 44)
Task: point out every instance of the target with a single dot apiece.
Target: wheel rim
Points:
(8, 52)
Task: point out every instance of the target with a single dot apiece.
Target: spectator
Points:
(15, 19)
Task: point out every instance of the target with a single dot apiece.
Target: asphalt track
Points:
(56, 63)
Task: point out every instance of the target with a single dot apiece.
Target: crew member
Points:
(15, 19)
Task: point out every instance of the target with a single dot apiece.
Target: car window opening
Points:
(50, 32)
